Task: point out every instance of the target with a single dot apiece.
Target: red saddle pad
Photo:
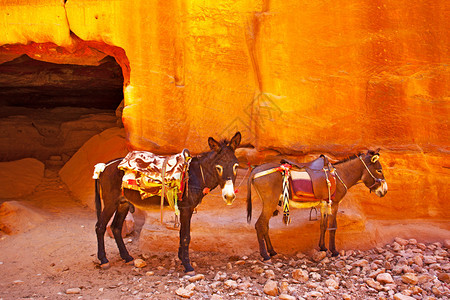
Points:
(302, 187)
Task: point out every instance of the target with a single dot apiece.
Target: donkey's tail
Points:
(249, 198)
(98, 169)
(98, 202)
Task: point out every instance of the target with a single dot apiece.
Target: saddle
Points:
(309, 181)
(148, 172)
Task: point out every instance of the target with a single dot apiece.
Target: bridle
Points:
(376, 180)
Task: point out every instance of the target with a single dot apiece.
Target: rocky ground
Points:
(65, 267)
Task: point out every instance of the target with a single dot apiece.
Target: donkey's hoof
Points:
(129, 262)
(105, 266)
(267, 261)
(334, 253)
(190, 273)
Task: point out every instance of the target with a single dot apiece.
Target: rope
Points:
(163, 188)
(286, 217)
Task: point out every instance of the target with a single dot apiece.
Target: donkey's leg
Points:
(323, 228)
(116, 228)
(261, 227)
(262, 230)
(185, 239)
(100, 229)
(332, 228)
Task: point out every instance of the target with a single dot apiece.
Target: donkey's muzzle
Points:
(382, 189)
(228, 194)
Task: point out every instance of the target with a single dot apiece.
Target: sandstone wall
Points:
(294, 76)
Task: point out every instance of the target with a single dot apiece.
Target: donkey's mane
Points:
(351, 157)
(346, 159)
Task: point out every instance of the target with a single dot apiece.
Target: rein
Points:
(377, 180)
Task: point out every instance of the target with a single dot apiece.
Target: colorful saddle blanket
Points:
(144, 172)
(302, 186)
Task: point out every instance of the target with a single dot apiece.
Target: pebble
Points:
(300, 275)
(185, 293)
(271, 288)
(286, 297)
(139, 263)
(385, 278)
(410, 278)
(400, 296)
(231, 284)
(319, 255)
(196, 278)
(72, 291)
(331, 284)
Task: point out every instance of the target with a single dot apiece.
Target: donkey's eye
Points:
(235, 168)
(379, 171)
(219, 169)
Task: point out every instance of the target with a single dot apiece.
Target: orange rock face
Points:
(297, 77)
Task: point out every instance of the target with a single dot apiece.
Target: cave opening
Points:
(49, 110)
(27, 82)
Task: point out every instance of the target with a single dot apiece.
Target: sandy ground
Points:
(60, 253)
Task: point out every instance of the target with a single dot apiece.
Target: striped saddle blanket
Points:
(144, 172)
(302, 187)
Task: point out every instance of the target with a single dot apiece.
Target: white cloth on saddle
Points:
(151, 165)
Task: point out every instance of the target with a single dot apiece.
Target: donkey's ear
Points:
(235, 140)
(213, 144)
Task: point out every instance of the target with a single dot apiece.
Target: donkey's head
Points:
(373, 176)
(225, 163)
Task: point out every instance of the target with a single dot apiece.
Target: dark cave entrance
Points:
(26, 82)
(49, 110)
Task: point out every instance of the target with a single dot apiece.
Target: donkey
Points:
(362, 167)
(206, 171)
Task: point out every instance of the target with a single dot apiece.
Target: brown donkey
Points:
(206, 171)
(362, 167)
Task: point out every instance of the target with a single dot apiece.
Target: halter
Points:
(377, 180)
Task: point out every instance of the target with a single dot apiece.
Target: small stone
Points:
(332, 284)
(150, 273)
(17, 281)
(314, 294)
(319, 255)
(374, 284)
(286, 297)
(73, 291)
(196, 278)
(410, 278)
(258, 270)
(447, 244)
(240, 262)
(346, 297)
(361, 263)
(244, 285)
(385, 278)
(271, 288)
(284, 287)
(417, 259)
(185, 293)
(270, 274)
(216, 297)
(139, 263)
(231, 284)
(400, 296)
(401, 241)
(444, 277)
(300, 275)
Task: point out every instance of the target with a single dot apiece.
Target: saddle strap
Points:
(163, 188)
(285, 196)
